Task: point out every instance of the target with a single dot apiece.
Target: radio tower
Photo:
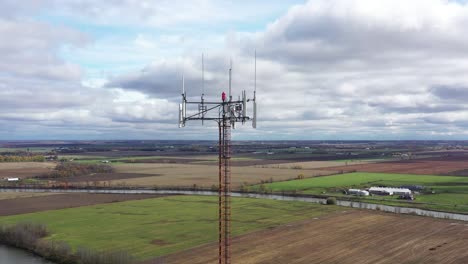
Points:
(226, 113)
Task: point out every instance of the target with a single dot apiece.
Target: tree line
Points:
(70, 169)
(22, 158)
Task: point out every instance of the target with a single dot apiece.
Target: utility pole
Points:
(226, 113)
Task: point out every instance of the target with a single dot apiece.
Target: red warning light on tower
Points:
(223, 96)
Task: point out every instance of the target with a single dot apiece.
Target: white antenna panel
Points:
(181, 116)
(254, 119)
(184, 110)
(244, 104)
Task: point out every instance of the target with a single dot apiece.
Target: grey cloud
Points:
(329, 32)
(164, 79)
(325, 70)
(31, 50)
(448, 92)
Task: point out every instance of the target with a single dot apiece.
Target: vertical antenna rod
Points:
(203, 75)
(230, 78)
(183, 84)
(255, 78)
(202, 108)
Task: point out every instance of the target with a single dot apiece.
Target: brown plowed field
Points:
(25, 169)
(16, 195)
(439, 166)
(351, 237)
(205, 176)
(61, 201)
(102, 177)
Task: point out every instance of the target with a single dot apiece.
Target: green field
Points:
(173, 223)
(451, 193)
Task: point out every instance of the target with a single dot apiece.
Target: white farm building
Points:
(358, 192)
(13, 179)
(389, 191)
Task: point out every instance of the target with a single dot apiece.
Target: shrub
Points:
(331, 201)
(264, 189)
(57, 251)
(244, 187)
(296, 167)
(22, 235)
(30, 236)
(87, 256)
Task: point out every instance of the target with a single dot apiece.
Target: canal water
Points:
(9, 255)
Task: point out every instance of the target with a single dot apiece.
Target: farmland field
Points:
(202, 175)
(435, 166)
(155, 227)
(37, 202)
(450, 192)
(351, 237)
(358, 179)
(319, 164)
(16, 195)
(24, 169)
(195, 159)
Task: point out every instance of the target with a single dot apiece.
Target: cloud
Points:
(330, 69)
(359, 63)
(30, 46)
(339, 31)
(451, 92)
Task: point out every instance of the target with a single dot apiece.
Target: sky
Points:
(326, 69)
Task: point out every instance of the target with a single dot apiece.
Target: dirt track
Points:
(61, 201)
(351, 237)
(445, 166)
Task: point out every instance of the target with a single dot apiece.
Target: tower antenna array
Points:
(226, 113)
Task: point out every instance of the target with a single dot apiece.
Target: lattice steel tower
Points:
(227, 113)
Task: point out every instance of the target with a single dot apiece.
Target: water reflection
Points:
(10, 255)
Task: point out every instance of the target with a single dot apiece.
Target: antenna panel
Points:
(181, 116)
(254, 119)
(244, 104)
(184, 110)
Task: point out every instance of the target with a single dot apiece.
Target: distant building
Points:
(13, 179)
(358, 192)
(389, 191)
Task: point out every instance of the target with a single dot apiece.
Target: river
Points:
(9, 255)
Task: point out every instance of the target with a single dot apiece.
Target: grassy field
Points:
(155, 227)
(451, 193)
